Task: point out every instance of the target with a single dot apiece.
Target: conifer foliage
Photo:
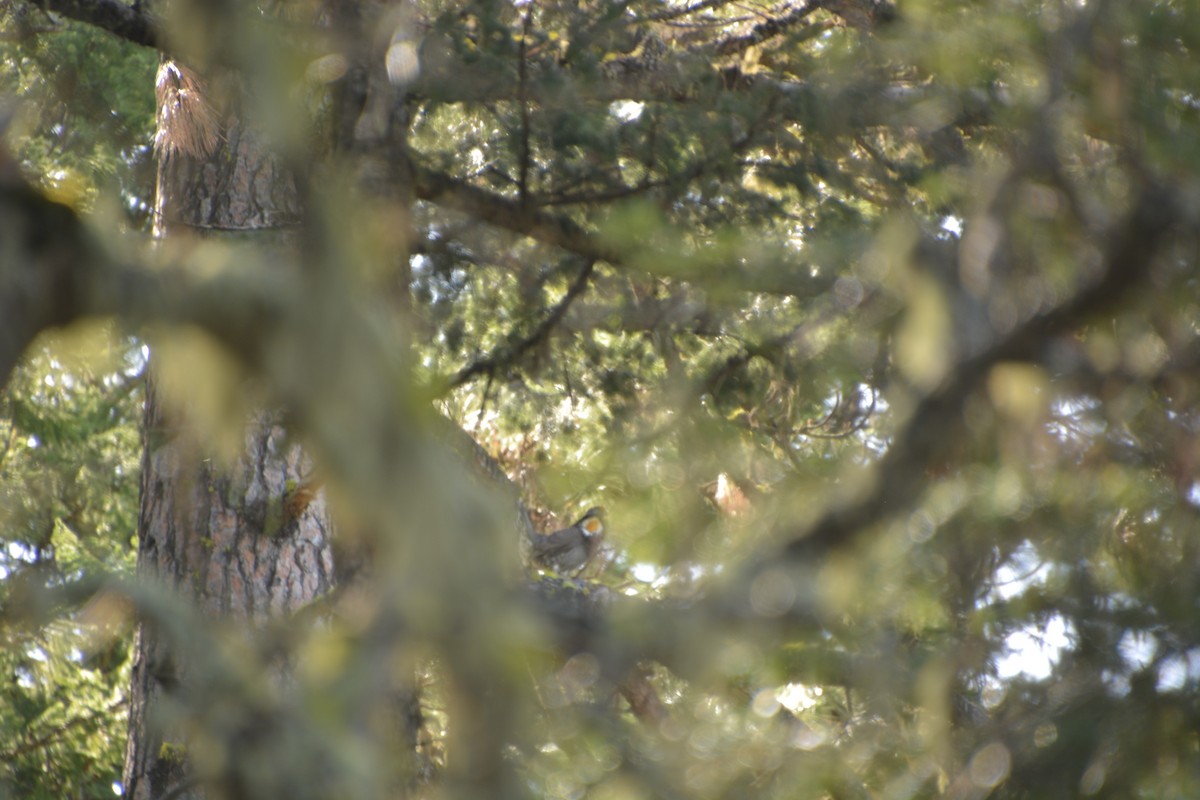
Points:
(871, 325)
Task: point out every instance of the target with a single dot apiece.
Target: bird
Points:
(570, 550)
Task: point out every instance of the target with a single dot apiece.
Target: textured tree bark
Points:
(218, 540)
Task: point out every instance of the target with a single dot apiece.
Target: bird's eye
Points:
(592, 526)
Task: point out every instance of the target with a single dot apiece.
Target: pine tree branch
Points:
(768, 29)
(130, 22)
(53, 271)
(38, 266)
(937, 420)
(669, 14)
(95, 717)
(509, 352)
(794, 279)
(485, 206)
(682, 77)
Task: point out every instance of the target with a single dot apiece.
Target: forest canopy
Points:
(871, 327)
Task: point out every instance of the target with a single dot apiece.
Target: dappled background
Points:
(871, 326)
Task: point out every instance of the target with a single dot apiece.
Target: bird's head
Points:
(592, 523)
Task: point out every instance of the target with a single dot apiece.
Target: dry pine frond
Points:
(187, 122)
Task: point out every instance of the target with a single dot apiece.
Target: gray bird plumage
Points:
(570, 550)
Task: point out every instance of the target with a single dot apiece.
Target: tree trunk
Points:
(224, 541)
